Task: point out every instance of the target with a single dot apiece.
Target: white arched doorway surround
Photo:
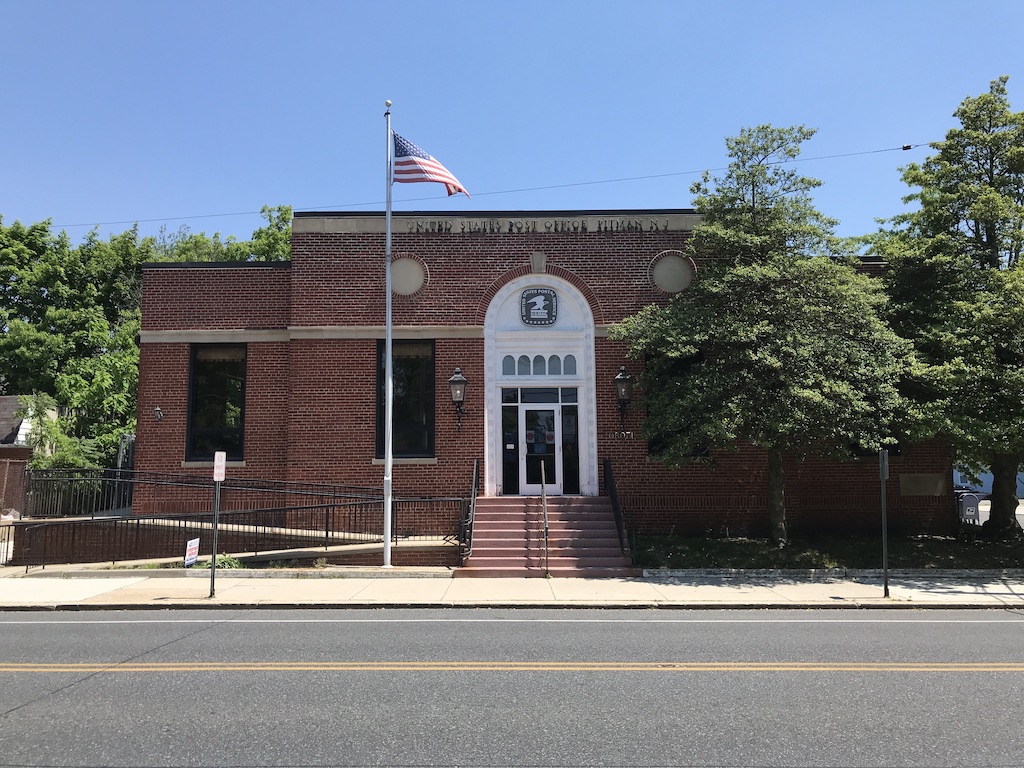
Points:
(568, 344)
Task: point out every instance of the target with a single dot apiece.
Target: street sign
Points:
(191, 552)
(219, 460)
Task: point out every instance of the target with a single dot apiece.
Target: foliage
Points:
(269, 243)
(70, 319)
(956, 282)
(805, 552)
(227, 562)
(761, 208)
(779, 344)
(51, 446)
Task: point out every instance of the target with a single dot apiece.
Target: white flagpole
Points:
(389, 386)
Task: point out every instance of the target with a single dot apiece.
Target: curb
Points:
(238, 573)
(445, 572)
(895, 605)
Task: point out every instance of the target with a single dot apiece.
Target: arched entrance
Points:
(539, 390)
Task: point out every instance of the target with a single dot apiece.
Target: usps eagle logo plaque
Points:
(539, 306)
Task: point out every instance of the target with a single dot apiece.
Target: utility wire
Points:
(568, 185)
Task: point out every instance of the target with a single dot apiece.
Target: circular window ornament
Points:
(408, 275)
(672, 271)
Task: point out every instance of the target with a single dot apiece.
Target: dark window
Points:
(216, 413)
(413, 369)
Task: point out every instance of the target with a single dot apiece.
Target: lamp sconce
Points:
(158, 413)
(624, 391)
(457, 384)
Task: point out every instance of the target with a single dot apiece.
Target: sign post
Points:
(883, 472)
(219, 462)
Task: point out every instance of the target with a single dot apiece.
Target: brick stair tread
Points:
(508, 538)
(580, 536)
(564, 573)
(480, 545)
(539, 524)
(521, 551)
(554, 562)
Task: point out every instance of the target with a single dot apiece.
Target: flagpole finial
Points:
(388, 103)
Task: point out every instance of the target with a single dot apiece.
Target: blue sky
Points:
(198, 113)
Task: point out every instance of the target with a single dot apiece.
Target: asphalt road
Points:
(512, 688)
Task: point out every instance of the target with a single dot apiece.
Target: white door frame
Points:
(553, 485)
(572, 334)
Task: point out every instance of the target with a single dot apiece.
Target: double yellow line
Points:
(506, 666)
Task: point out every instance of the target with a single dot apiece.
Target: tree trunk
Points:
(1002, 518)
(776, 496)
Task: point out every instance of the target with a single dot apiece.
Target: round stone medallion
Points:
(407, 276)
(672, 271)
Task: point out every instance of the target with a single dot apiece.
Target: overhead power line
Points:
(567, 185)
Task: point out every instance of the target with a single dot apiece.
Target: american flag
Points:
(413, 164)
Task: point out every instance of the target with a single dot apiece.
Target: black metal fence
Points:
(6, 543)
(160, 536)
(239, 532)
(76, 516)
(54, 493)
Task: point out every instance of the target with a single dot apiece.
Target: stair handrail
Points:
(544, 505)
(613, 495)
(470, 517)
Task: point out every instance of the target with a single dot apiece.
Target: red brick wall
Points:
(230, 296)
(13, 462)
(338, 278)
(310, 405)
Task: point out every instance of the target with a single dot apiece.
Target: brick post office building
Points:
(281, 366)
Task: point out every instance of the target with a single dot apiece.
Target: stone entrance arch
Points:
(539, 375)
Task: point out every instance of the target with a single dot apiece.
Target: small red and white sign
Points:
(220, 460)
(191, 552)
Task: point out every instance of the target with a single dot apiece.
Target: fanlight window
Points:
(553, 365)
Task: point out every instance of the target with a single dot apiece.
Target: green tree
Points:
(70, 319)
(955, 281)
(50, 313)
(274, 241)
(51, 445)
(269, 243)
(779, 344)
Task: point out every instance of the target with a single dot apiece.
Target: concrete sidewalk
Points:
(76, 588)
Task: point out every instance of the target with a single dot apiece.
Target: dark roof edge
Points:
(497, 214)
(217, 265)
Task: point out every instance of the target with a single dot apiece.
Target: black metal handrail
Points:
(613, 495)
(6, 543)
(91, 492)
(544, 505)
(248, 531)
(147, 537)
(469, 517)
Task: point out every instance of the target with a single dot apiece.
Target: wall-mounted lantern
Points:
(457, 384)
(624, 391)
(158, 413)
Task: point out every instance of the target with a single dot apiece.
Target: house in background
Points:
(281, 365)
(15, 453)
(14, 430)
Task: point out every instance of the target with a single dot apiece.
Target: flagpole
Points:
(389, 386)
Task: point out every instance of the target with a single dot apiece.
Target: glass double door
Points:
(540, 432)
